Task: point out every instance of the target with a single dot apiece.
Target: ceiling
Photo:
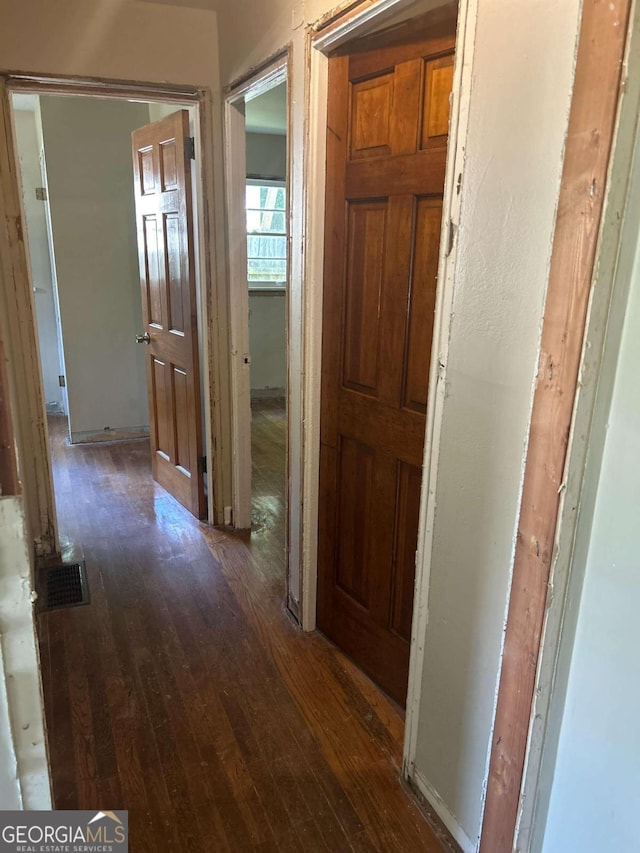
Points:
(268, 112)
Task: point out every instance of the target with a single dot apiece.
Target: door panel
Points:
(173, 272)
(167, 280)
(354, 511)
(168, 165)
(386, 150)
(371, 117)
(421, 173)
(422, 302)
(436, 108)
(183, 438)
(152, 272)
(363, 287)
(409, 481)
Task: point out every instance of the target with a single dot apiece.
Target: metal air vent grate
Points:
(64, 586)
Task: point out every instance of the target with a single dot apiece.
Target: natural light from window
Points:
(266, 235)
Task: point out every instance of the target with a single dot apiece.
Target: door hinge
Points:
(190, 147)
(202, 464)
(62, 382)
(41, 193)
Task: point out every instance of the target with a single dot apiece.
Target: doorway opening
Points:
(388, 125)
(259, 214)
(267, 276)
(117, 289)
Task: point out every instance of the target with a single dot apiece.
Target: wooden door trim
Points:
(352, 20)
(9, 484)
(616, 251)
(430, 33)
(29, 423)
(592, 124)
(17, 328)
(56, 85)
(235, 180)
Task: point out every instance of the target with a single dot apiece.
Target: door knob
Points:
(143, 339)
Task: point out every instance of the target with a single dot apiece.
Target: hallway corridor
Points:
(184, 692)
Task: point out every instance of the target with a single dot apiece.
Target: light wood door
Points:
(162, 174)
(387, 131)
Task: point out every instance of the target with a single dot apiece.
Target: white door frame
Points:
(274, 73)
(30, 421)
(321, 41)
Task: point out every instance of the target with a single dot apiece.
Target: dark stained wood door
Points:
(164, 214)
(387, 132)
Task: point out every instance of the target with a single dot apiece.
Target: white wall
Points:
(160, 111)
(267, 337)
(89, 170)
(128, 40)
(251, 31)
(40, 261)
(9, 784)
(522, 65)
(24, 781)
(266, 155)
(595, 797)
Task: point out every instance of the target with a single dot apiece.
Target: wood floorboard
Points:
(185, 693)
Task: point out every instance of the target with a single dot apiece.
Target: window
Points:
(266, 235)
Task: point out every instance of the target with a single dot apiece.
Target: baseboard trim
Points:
(294, 609)
(453, 834)
(118, 434)
(265, 393)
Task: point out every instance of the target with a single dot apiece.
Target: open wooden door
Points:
(388, 118)
(164, 219)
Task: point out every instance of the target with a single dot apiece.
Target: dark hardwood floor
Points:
(184, 692)
(268, 438)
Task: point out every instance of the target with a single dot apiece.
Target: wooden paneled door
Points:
(164, 219)
(388, 118)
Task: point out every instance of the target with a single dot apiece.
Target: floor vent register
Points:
(62, 586)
